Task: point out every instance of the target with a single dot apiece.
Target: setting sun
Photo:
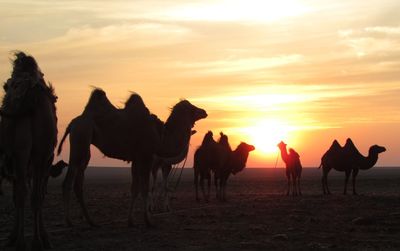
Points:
(266, 134)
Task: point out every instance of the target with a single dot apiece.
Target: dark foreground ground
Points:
(257, 216)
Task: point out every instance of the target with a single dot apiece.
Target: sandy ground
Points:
(257, 216)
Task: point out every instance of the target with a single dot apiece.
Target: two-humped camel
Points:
(217, 157)
(130, 134)
(349, 160)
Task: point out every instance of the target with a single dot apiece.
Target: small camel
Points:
(236, 163)
(349, 160)
(293, 168)
(211, 155)
(28, 136)
(131, 134)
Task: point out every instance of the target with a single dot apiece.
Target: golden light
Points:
(239, 10)
(266, 134)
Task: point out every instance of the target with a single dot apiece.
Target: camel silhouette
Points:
(131, 134)
(211, 155)
(28, 136)
(349, 160)
(293, 168)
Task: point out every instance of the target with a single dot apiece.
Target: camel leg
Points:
(223, 186)
(20, 191)
(67, 189)
(196, 183)
(203, 190)
(208, 187)
(354, 175)
(325, 180)
(288, 185)
(166, 169)
(298, 185)
(134, 193)
(216, 186)
(153, 195)
(37, 197)
(1, 185)
(346, 181)
(144, 189)
(221, 189)
(294, 187)
(78, 189)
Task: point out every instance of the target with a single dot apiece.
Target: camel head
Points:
(184, 111)
(242, 150)
(282, 145)
(375, 149)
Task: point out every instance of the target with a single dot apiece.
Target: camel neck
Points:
(284, 154)
(369, 161)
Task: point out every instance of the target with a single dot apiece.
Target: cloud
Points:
(371, 40)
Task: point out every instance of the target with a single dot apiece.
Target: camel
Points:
(211, 155)
(349, 160)
(293, 168)
(28, 136)
(235, 162)
(131, 134)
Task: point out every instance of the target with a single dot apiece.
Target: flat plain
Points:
(257, 216)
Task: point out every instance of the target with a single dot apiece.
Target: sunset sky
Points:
(306, 72)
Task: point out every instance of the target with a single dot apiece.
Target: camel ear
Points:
(193, 132)
(221, 134)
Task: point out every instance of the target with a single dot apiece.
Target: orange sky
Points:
(306, 72)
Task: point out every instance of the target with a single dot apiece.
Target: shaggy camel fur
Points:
(293, 168)
(209, 156)
(349, 160)
(130, 134)
(28, 136)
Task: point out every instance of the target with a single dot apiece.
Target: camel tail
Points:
(67, 131)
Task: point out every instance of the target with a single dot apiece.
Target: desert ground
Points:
(257, 216)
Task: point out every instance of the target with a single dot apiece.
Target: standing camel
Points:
(211, 155)
(130, 134)
(349, 160)
(28, 136)
(235, 163)
(293, 168)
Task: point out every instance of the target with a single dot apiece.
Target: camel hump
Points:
(98, 103)
(224, 141)
(135, 100)
(350, 149)
(293, 153)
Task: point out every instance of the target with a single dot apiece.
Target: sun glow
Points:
(238, 10)
(266, 134)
